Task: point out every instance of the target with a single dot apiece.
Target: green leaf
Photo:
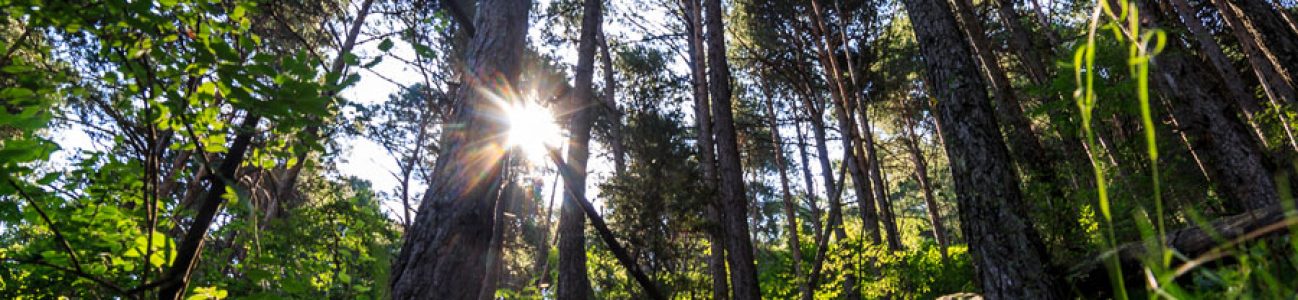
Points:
(385, 45)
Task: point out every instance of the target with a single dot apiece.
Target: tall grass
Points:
(1125, 25)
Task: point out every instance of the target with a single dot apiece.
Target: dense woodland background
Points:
(745, 149)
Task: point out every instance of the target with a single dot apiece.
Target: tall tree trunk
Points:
(707, 158)
(1034, 66)
(444, 253)
(843, 110)
(1236, 161)
(1023, 141)
(921, 176)
(1010, 264)
(869, 156)
(1278, 89)
(790, 215)
(743, 272)
(1230, 77)
(807, 178)
(573, 281)
(495, 248)
(336, 67)
(1278, 40)
(610, 100)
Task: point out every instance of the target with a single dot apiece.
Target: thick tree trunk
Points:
(1010, 264)
(1036, 160)
(573, 281)
(1236, 162)
(1230, 77)
(707, 158)
(743, 272)
(444, 253)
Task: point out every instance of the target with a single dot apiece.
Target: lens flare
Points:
(533, 130)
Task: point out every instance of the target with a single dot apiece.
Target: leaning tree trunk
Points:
(743, 272)
(444, 255)
(1236, 161)
(1278, 39)
(703, 119)
(573, 281)
(1023, 142)
(1010, 264)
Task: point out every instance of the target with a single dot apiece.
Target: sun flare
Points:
(533, 130)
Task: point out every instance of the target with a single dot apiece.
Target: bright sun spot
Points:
(532, 129)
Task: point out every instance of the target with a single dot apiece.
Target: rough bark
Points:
(573, 280)
(1212, 51)
(743, 272)
(1008, 262)
(1279, 87)
(1236, 162)
(1278, 40)
(707, 157)
(1023, 141)
(444, 253)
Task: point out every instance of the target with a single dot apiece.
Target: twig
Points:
(59, 235)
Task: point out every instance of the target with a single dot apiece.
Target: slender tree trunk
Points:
(573, 281)
(795, 246)
(1278, 89)
(921, 176)
(191, 248)
(1278, 40)
(610, 100)
(495, 247)
(843, 110)
(444, 253)
(869, 155)
(743, 272)
(1010, 264)
(312, 132)
(707, 158)
(807, 179)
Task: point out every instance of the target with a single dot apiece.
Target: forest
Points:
(648, 149)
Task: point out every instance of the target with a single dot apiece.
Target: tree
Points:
(444, 253)
(739, 246)
(573, 281)
(1009, 262)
